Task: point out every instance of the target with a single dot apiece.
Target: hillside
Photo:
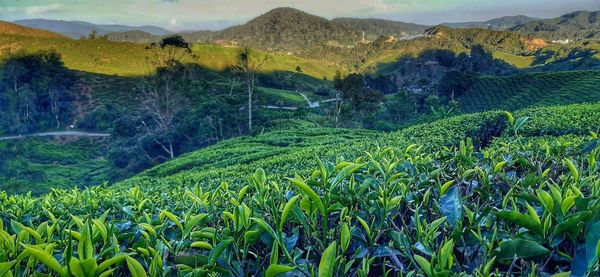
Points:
(130, 59)
(501, 24)
(289, 29)
(233, 159)
(581, 25)
(7, 28)
(375, 28)
(520, 91)
(322, 201)
(78, 29)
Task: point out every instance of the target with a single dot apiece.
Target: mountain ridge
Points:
(77, 29)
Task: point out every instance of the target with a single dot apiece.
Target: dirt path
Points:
(57, 134)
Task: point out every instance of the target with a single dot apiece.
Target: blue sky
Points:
(216, 14)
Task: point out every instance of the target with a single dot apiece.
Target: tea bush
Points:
(424, 201)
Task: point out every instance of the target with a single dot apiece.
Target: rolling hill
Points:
(375, 28)
(78, 29)
(501, 24)
(326, 197)
(581, 25)
(525, 90)
(7, 28)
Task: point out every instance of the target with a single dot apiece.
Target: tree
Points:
(248, 68)
(162, 102)
(37, 92)
(454, 83)
(355, 97)
(298, 69)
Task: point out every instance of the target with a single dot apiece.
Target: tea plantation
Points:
(488, 194)
(524, 90)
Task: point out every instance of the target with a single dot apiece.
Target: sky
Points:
(178, 15)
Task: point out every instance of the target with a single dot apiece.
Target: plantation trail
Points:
(310, 104)
(57, 134)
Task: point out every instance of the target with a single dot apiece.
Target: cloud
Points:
(173, 22)
(32, 10)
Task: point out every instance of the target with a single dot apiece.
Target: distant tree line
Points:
(36, 93)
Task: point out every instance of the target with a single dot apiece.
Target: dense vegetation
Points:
(38, 165)
(520, 198)
(580, 25)
(36, 93)
(520, 91)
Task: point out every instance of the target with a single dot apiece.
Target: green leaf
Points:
(276, 269)
(344, 173)
(85, 249)
(216, 252)
(310, 193)
(173, 218)
(365, 226)
(570, 223)
(135, 268)
(446, 186)
(520, 248)
(451, 206)
(522, 220)
(511, 118)
(47, 259)
(345, 237)
(5, 267)
(327, 263)
(286, 210)
(424, 264)
(75, 267)
(201, 244)
(572, 168)
(265, 226)
(592, 241)
(110, 262)
(520, 123)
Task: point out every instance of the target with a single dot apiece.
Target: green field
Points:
(538, 89)
(421, 201)
(130, 59)
(39, 165)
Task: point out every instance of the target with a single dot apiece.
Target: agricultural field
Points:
(524, 90)
(487, 194)
(38, 165)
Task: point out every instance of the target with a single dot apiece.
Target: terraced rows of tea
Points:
(521, 91)
(487, 194)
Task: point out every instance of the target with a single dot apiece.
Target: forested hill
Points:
(573, 26)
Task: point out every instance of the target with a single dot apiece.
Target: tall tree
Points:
(162, 102)
(355, 97)
(248, 69)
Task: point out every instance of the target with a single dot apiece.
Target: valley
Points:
(300, 145)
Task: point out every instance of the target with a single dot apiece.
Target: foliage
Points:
(515, 205)
(36, 93)
(520, 91)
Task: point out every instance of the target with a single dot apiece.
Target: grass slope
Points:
(130, 59)
(41, 164)
(416, 204)
(520, 91)
(7, 28)
(284, 153)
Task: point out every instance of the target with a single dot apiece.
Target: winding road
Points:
(58, 134)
